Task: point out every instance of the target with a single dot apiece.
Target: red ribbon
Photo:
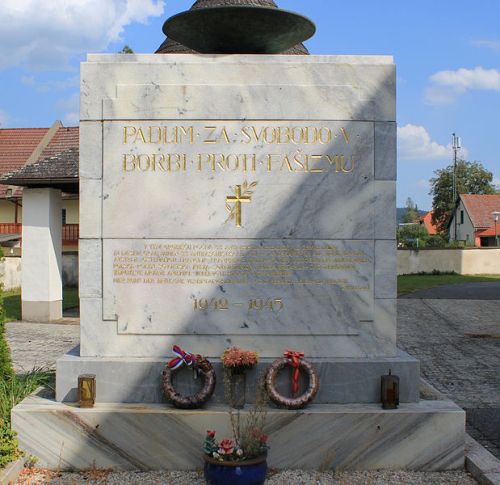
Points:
(294, 359)
(182, 358)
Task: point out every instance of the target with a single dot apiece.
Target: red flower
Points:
(210, 434)
(263, 438)
(226, 447)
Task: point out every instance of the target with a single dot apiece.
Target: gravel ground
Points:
(99, 477)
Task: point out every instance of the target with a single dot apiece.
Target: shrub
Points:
(436, 241)
(8, 445)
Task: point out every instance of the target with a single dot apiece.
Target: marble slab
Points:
(356, 87)
(295, 179)
(250, 287)
(425, 436)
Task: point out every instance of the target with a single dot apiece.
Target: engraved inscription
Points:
(299, 149)
(238, 264)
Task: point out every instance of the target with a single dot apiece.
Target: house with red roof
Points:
(22, 148)
(473, 221)
(426, 221)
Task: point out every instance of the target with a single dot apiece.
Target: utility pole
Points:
(456, 145)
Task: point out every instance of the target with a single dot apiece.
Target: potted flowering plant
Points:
(236, 362)
(236, 461)
(240, 459)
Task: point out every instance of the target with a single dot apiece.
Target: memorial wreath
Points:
(201, 366)
(293, 359)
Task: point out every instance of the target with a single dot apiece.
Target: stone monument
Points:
(239, 200)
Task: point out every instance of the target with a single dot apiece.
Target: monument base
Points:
(138, 380)
(426, 436)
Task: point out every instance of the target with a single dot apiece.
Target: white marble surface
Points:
(425, 436)
(101, 338)
(356, 87)
(91, 151)
(385, 269)
(90, 206)
(384, 325)
(349, 91)
(256, 287)
(319, 199)
(384, 206)
(90, 268)
(385, 151)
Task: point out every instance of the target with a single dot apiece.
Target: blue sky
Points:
(447, 55)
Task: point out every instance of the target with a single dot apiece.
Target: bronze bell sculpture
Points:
(236, 27)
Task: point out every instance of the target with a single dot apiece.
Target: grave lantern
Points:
(390, 391)
(86, 390)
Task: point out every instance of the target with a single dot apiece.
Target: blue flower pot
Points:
(251, 472)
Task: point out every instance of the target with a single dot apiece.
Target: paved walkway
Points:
(40, 344)
(458, 345)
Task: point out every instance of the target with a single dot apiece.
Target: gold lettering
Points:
(210, 140)
(332, 161)
(347, 137)
(213, 138)
(342, 164)
(128, 163)
(270, 161)
(315, 157)
(286, 162)
(128, 130)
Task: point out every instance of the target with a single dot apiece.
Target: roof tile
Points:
(480, 207)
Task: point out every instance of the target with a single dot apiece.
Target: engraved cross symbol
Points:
(237, 199)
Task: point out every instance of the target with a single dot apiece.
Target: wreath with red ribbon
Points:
(201, 366)
(295, 360)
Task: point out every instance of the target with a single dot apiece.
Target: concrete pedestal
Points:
(42, 255)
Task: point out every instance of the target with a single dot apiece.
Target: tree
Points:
(411, 214)
(407, 235)
(471, 178)
(126, 50)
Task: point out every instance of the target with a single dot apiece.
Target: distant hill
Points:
(400, 212)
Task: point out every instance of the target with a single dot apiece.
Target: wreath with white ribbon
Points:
(200, 365)
(293, 359)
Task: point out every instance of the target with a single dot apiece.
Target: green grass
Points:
(413, 282)
(12, 302)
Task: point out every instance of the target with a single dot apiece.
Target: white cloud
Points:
(51, 84)
(3, 118)
(70, 109)
(489, 44)
(45, 35)
(496, 182)
(415, 143)
(28, 80)
(446, 86)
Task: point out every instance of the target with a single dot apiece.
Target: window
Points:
(461, 217)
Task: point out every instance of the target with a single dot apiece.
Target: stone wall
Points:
(10, 271)
(461, 261)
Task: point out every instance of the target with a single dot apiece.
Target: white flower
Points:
(239, 452)
(216, 455)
